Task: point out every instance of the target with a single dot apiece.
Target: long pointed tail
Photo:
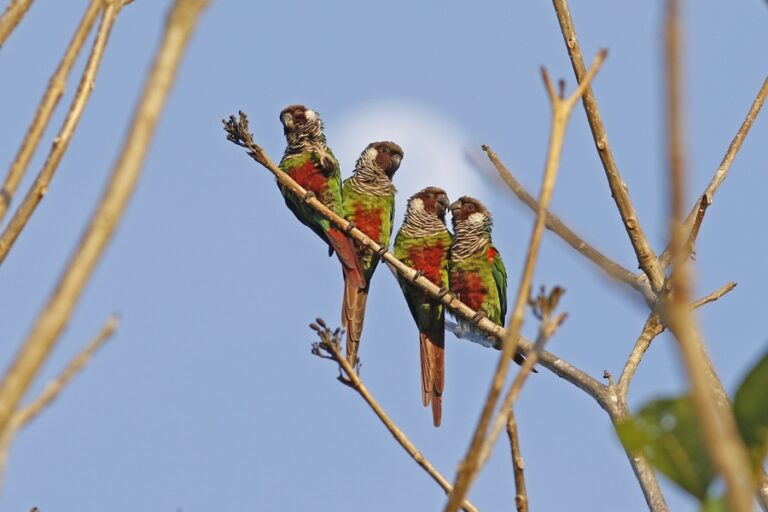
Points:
(347, 254)
(352, 317)
(433, 371)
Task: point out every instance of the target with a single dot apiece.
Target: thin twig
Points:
(23, 416)
(561, 111)
(718, 425)
(11, 17)
(651, 329)
(61, 142)
(54, 388)
(179, 27)
(521, 495)
(722, 171)
(330, 343)
(646, 257)
(554, 224)
(715, 295)
(47, 105)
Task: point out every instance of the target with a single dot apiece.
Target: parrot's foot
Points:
(479, 316)
(309, 195)
(417, 275)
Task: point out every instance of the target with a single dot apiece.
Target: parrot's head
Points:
(384, 156)
(470, 213)
(300, 122)
(432, 200)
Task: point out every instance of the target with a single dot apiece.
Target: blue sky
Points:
(208, 397)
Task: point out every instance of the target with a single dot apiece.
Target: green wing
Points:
(499, 272)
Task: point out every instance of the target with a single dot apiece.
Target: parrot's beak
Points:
(456, 205)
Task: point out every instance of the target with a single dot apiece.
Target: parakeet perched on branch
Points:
(477, 273)
(423, 243)
(368, 200)
(308, 160)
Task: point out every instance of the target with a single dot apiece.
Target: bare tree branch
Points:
(52, 391)
(561, 111)
(693, 220)
(521, 496)
(330, 343)
(61, 142)
(554, 224)
(47, 105)
(646, 257)
(179, 27)
(718, 425)
(11, 17)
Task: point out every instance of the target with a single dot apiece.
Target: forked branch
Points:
(330, 344)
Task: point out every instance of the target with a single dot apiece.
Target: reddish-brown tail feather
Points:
(433, 371)
(352, 317)
(347, 254)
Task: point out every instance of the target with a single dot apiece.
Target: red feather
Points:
(347, 254)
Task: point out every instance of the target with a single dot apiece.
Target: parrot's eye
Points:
(470, 207)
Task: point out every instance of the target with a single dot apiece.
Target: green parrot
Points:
(308, 160)
(368, 200)
(477, 273)
(423, 243)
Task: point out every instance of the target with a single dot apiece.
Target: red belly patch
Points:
(309, 177)
(428, 260)
(469, 288)
(368, 221)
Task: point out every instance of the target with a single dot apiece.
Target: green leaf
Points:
(667, 433)
(751, 409)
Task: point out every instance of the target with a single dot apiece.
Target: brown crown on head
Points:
(388, 156)
(465, 206)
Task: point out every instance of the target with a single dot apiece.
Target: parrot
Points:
(368, 201)
(478, 276)
(423, 243)
(308, 160)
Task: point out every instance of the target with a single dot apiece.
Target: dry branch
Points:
(11, 17)
(179, 27)
(23, 416)
(718, 425)
(518, 466)
(47, 105)
(330, 343)
(646, 257)
(61, 142)
(561, 111)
